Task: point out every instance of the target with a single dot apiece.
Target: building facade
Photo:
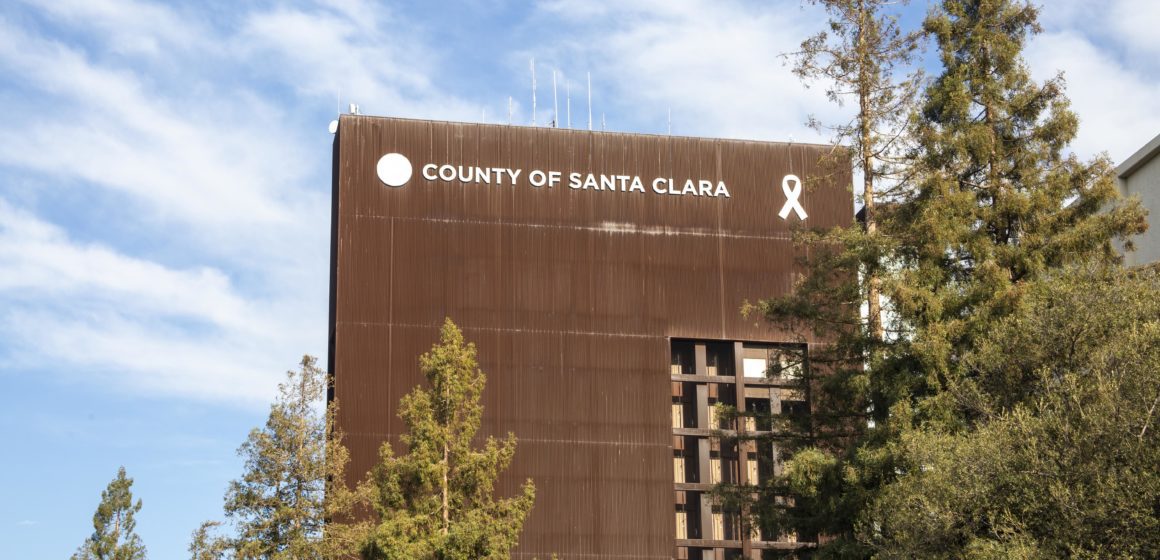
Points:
(601, 277)
(1139, 175)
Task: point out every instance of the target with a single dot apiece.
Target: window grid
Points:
(707, 376)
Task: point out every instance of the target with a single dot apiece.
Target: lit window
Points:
(718, 526)
(754, 367)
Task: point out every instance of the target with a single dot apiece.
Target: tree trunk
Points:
(866, 116)
(446, 510)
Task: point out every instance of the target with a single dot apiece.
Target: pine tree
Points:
(991, 204)
(113, 535)
(292, 485)
(436, 500)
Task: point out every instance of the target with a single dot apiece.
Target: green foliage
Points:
(1068, 465)
(989, 207)
(863, 57)
(292, 484)
(113, 535)
(860, 58)
(205, 545)
(278, 502)
(996, 204)
(436, 500)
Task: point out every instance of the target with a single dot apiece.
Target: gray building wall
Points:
(1139, 175)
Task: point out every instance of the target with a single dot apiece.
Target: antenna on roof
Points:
(568, 97)
(354, 108)
(555, 104)
(590, 101)
(533, 64)
(602, 123)
(509, 110)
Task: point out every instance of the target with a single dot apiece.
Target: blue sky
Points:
(164, 191)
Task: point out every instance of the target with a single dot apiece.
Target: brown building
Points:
(601, 277)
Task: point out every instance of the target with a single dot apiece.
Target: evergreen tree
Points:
(436, 500)
(998, 203)
(292, 485)
(113, 535)
(991, 205)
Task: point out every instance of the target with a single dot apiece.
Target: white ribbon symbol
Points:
(791, 195)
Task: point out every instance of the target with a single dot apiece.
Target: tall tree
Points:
(113, 535)
(999, 203)
(865, 58)
(436, 500)
(292, 484)
(993, 203)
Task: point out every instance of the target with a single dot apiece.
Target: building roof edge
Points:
(1138, 159)
(345, 116)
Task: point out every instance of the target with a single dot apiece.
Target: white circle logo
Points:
(394, 170)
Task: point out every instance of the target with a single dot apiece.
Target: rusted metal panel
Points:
(571, 296)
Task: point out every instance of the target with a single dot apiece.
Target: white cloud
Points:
(153, 328)
(354, 49)
(1122, 28)
(129, 27)
(1118, 106)
(1110, 55)
(142, 356)
(187, 159)
(197, 140)
(1133, 23)
(41, 262)
(718, 65)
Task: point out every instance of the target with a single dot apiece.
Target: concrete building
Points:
(1140, 175)
(601, 277)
